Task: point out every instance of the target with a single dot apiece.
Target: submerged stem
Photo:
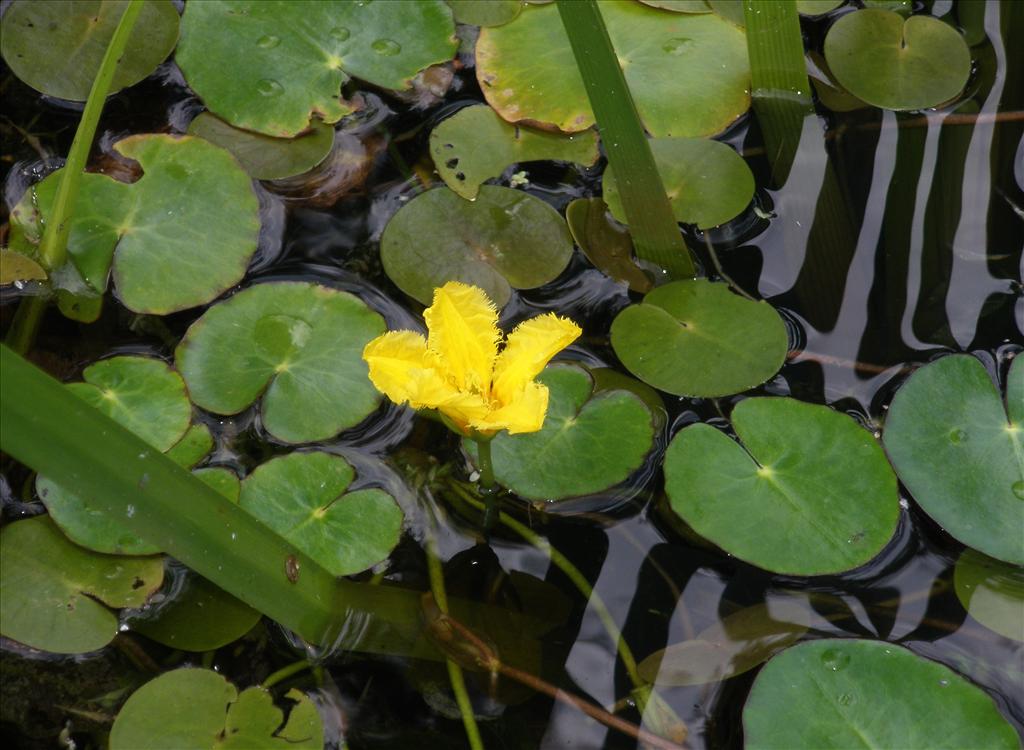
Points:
(488, 487)
(284, 673)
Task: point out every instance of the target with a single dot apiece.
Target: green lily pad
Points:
(688, 73)
(475, 145)
(225, 481)
(992, 592)
(485, 12)
(960, 455)
(897, 63)
(707, 182)
(606, 243)
(807, 491)
(145, 396)
(589, 442)
(57, 48)
(817, 7)
(199, 709)
(730, 10)
(903, 7)
(856, 693)
(56, 596)
(505, 238)
(733, 645)
(176, 238)
(262, 156)
(202, 617)
(270, 66)
(304, 497)
(297, 345)
(16, 267)
(697, 338)
(193, 447)
(679, 6)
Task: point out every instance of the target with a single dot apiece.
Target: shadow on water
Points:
(895, 238)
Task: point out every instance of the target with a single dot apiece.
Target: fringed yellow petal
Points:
(463, 326)
(464, 409)
(524, 414)
(530, 347)
(398, 361)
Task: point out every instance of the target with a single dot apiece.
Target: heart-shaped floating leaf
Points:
(304, 497)
(808, 492)
(679, 6)
(148, 398)
(504, 239)
(688, 73)
(475, 145)
(202, 617)
(992, 592)
(18, 268)
(855, 693)
(57, 48)
(706, 181)
(733, 645)
(176, 238)
(193, 447)
(589, 442)
(197, 708)
(271, 65)
(606, 243)
(697, 338)
(961, 455)
(262, 156)
(54, 595)
(485, 12)
(897, 63)
(297, 344)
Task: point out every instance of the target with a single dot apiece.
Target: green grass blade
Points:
(45, 426)
(655, 232)
(779, 85)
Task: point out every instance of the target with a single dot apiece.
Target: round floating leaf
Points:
(992, 592)
(606, 243)
(733, 645)
(854, 693)
(485, 12)
(54, 595)
(898, 64)
(679, 6)
(197, 708)
(297, 344)
(706, 181)
(145, 396)
(475, 145)
(223, 480)
(807, 491)
(730, 10)
(688, 73)
(57, 48)
(269, 66)
(697, 338)
(589, 442)
(193, 447)
(817, 7)
(504, 239)
(202, 617)
(959, 454)
(178, 237)
(265, 157)
(16, 267)
(303, 496)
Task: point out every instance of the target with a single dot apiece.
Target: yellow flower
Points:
(458, 369)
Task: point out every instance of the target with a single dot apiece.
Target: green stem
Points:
(488, 487)
(54, 245)
(284, 673)
(53, 249)
(455, 676)
(654, 229)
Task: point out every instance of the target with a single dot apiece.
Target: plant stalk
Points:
(488, 487)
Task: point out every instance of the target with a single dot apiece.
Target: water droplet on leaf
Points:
(269, 87)
(386, 47)
(268, 41)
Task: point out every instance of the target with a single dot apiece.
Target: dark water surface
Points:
(897, 238)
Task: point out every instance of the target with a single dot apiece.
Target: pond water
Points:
(896, 238)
